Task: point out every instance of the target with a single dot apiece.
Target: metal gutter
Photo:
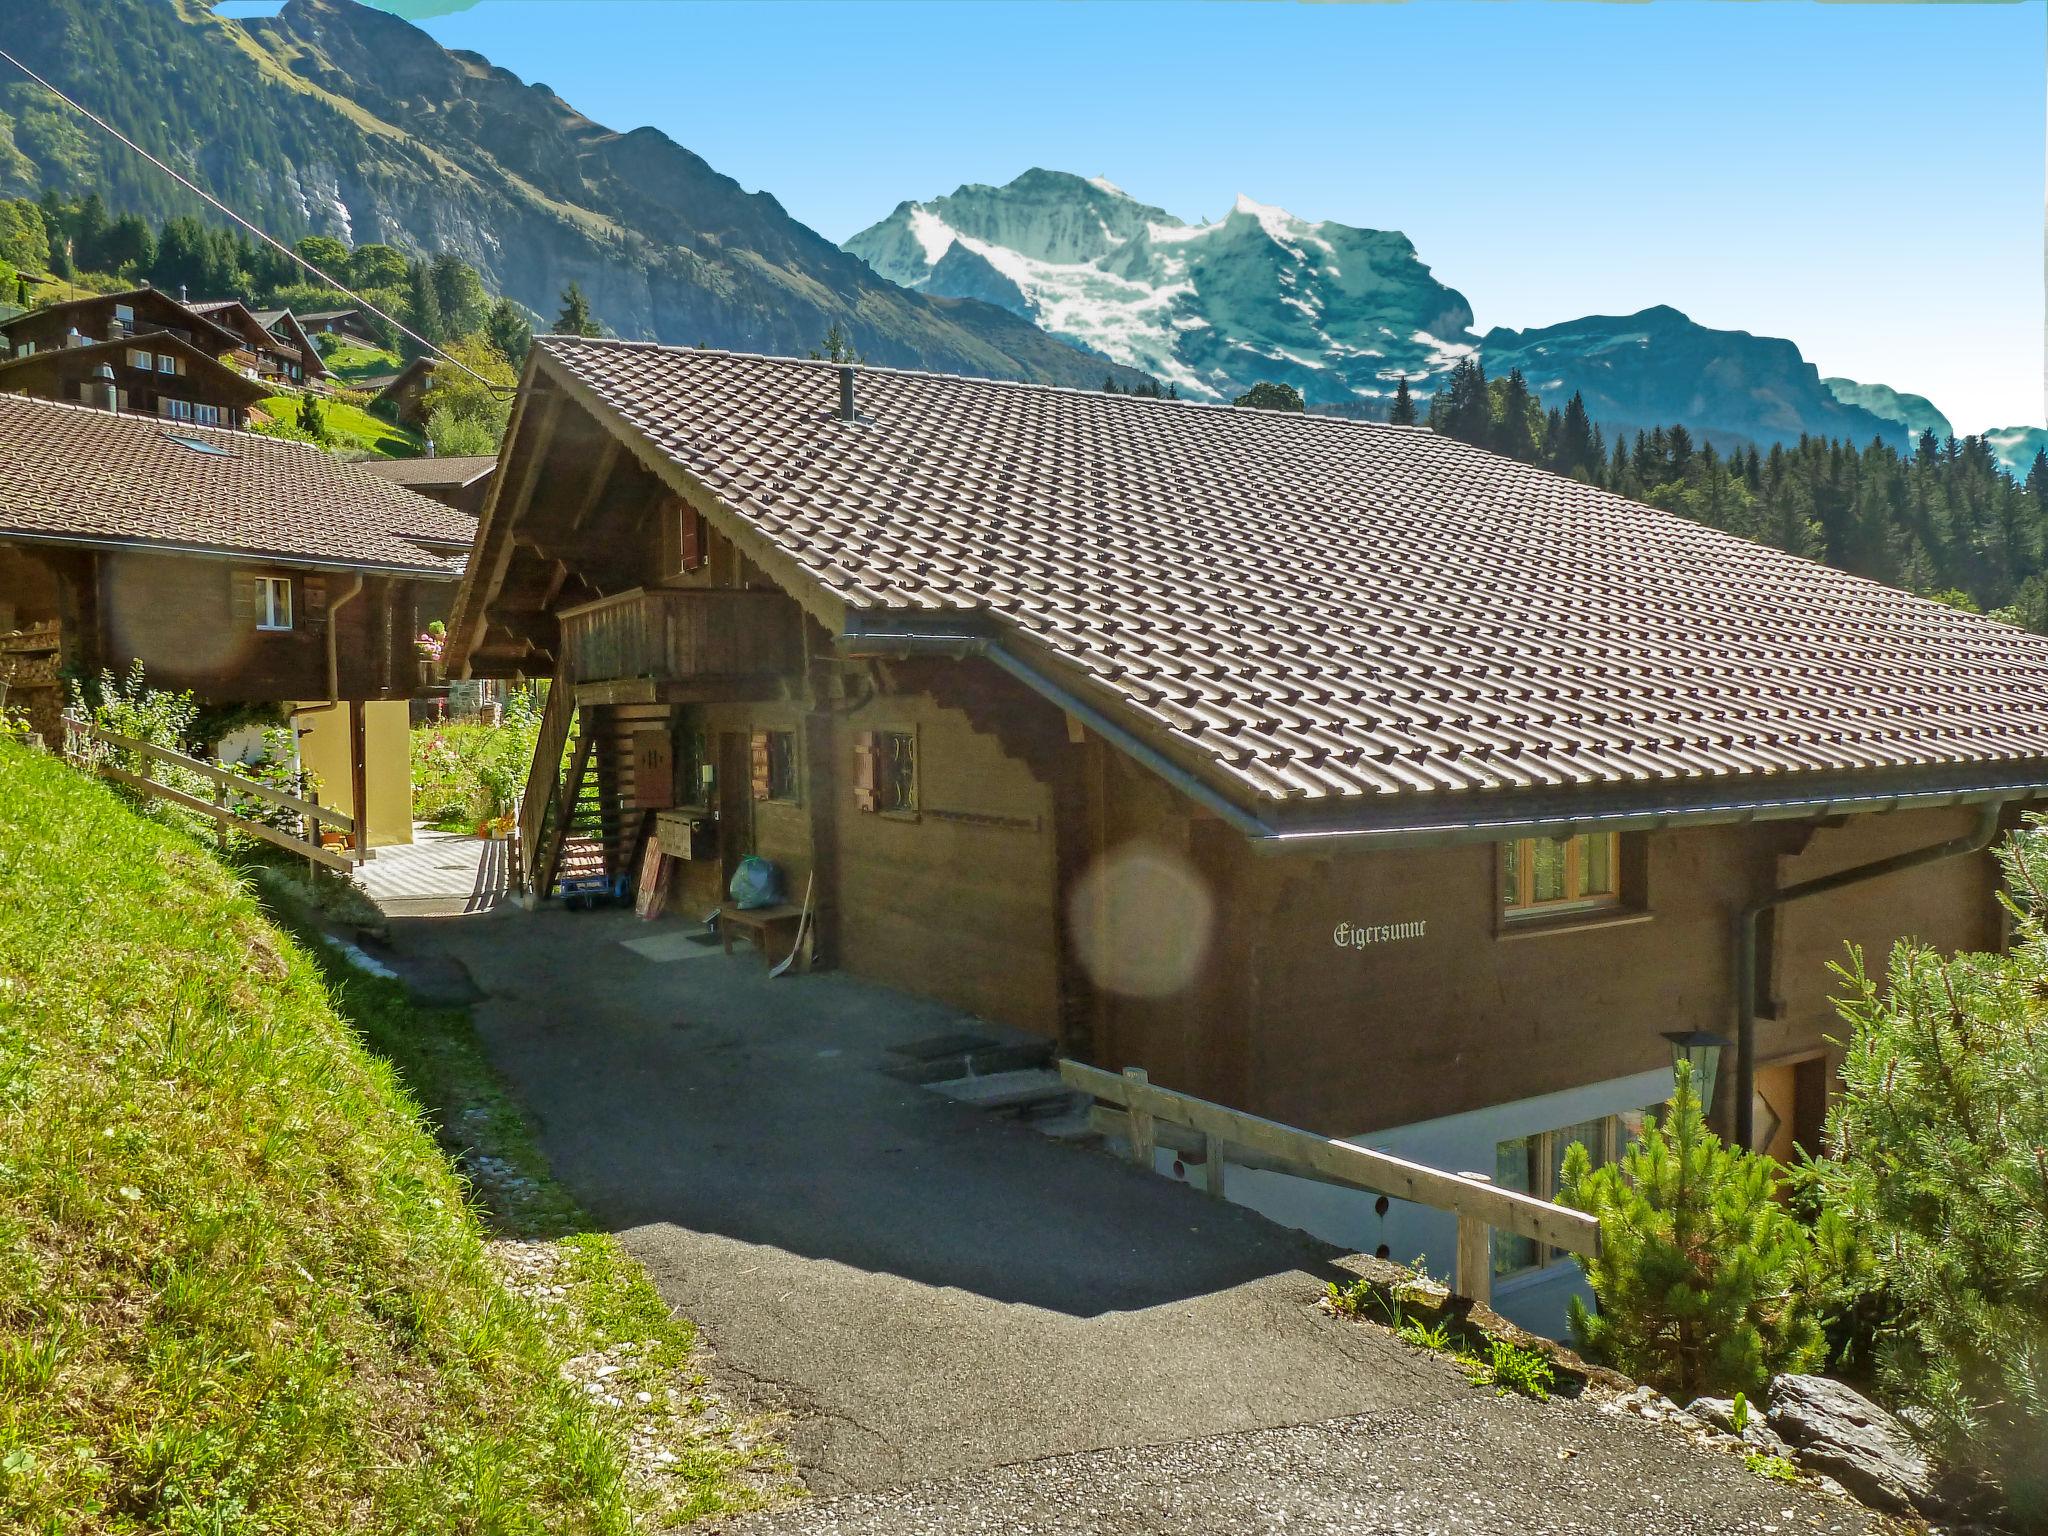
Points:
(224, 552)
(1976, 841)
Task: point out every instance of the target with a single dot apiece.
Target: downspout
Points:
(291, 718)
(1745, 942)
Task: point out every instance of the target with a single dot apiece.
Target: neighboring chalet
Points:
(1340, 772)
(355, 324)
(460, 481)
(273, 343)
(140, 351)
(403, 395)
(243, 568)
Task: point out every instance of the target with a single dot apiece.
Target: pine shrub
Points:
(1699, 1278)
(1939, 1143)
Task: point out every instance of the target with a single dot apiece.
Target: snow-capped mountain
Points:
(1212, 308)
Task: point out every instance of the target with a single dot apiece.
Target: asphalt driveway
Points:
(931, 1292)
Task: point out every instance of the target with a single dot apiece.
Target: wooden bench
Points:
(761, 922)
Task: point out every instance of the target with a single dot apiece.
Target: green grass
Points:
(350, 426)
(1776, 1468)
(242, 1288)
(352, 363)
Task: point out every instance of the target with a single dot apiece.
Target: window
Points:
(125, 313)
(775, 765)
(1546, 876)
(885, 772)
(169, 362)
(198, 445)
(186, 410)
(137, 358)
(1532, 1165)
(273, 602)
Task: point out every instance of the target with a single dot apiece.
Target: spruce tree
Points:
(1936, 1161)
(425, 303)
(575, 318)
(1701, 1268)
(1403, 413)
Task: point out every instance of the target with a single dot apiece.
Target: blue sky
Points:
(1866, 179)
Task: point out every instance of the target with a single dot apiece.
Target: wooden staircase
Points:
(580, 817)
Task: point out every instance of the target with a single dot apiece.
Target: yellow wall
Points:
(387, 765)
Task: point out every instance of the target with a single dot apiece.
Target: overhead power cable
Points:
(198, 191)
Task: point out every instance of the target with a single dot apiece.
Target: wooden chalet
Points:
(243, 568)
(355, 324)
(273, 343)
(140, 352)
(1335, 771)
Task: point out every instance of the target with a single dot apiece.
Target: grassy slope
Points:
(240, 1287)
(350, 426)
(349, 363)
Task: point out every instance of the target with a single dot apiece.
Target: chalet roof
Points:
(224, 381)
(452, 472)
(1304, 608)
(137, 298)
(71, 474)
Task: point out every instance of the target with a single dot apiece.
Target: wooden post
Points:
(312, 833)
(220, 799)
(1141, 1118)
(1212, 1159)
(1472, 1274)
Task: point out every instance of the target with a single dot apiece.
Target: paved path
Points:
(932, 1293)
(439, 874)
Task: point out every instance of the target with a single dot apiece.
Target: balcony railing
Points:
(680, 635)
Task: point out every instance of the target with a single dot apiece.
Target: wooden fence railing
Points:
(1149, 1117)
(99, 749)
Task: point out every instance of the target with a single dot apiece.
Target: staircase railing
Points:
(544, 777)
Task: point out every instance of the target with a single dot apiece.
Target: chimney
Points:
(99, 389)
(846, 407)
(182, 297)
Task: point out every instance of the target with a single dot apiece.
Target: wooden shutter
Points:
(693, 539)
(864, 770)
(242, 599)
(759, 745)
(312, 595)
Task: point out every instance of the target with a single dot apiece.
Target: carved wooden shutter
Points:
(760, 764)
(313, 603)
(864, 770)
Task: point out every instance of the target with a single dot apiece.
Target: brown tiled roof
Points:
(454, 470)
(1314, 608)
(73, 474)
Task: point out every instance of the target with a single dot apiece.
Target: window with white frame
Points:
(274, 602)
(1531, 1165)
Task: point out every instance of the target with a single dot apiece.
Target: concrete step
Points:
(967, 1056)
(1027, 1093)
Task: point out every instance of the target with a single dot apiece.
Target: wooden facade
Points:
(1030, 868)
(193, 621)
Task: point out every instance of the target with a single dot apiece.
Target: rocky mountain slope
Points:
(338, 119)
(1338, 312)
(1727, 387)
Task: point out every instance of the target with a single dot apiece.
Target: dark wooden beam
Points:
(507, 523)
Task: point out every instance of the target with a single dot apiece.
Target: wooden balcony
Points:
(714, 641)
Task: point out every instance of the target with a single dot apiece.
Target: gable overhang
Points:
(1308, 825)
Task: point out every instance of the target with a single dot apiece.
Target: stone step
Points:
(1025, 1093)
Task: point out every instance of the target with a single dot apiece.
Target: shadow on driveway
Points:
(925, 1288)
